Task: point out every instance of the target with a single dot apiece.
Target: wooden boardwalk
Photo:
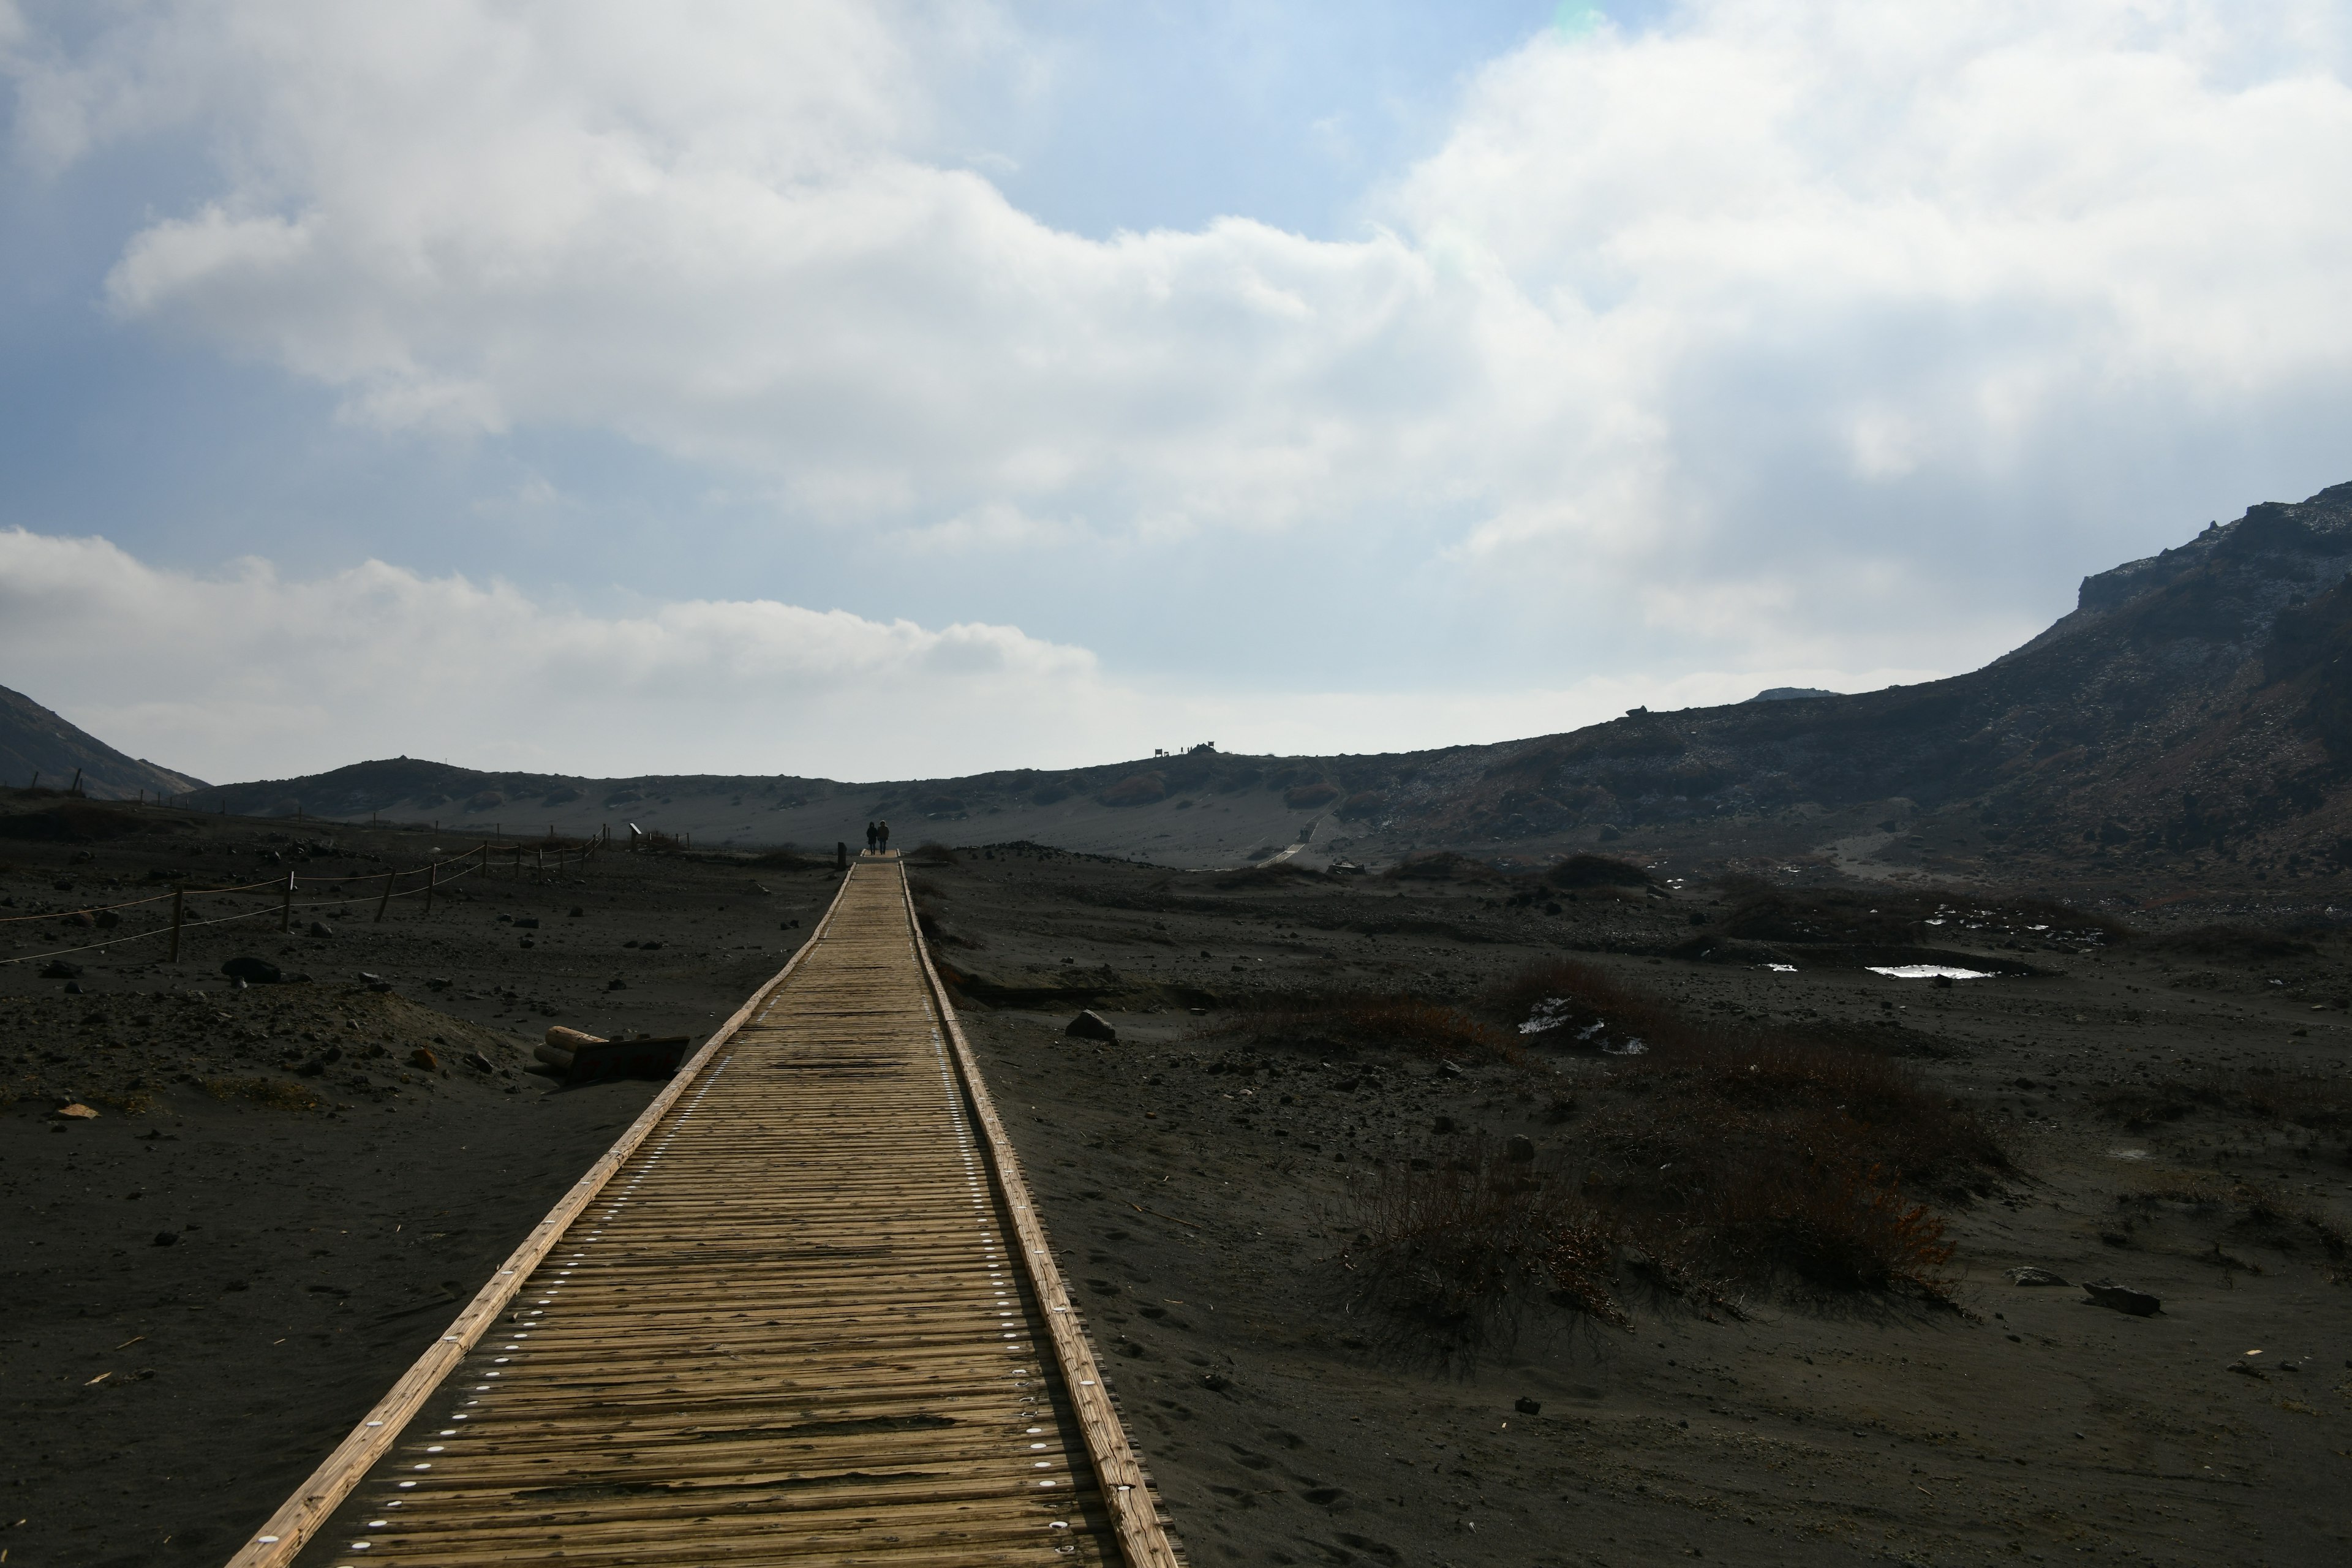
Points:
(802, 1312)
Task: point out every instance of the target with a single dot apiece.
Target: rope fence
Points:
(478, 861)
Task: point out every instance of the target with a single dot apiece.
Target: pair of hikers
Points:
(877, 837)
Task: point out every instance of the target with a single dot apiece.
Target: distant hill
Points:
(36, 742)
(2195, 704)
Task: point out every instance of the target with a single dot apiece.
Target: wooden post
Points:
(538, 864)
(179, 901)
(384, 902)
(286, 905)
(431, 875)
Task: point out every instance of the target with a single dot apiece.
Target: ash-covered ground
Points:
(2162, 1107)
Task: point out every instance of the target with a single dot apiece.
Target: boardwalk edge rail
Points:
(300, 1517)
(1143, 1538)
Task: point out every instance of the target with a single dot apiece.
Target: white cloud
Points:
(1692, 330)
(248, 674)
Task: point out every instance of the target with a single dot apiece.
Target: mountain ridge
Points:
(2194, 702)
(37, 744)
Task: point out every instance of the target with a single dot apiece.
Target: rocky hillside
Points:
(36, 744)
(2195, 704)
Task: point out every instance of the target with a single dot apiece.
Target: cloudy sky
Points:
(887, 389)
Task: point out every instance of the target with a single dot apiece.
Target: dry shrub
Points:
(1580, 994)
(1885, 917)
(937, 930)
(1451, 1240)
(1830, 1221)
(1719, 1107)
(932, 854)
(1278, 873)
(73, 822)
(273, 1092)
(1719, 1160)
(1136, 789)
(1597, 871)
(2306, 1099)
(2241, 943)
(1441, 865)
(1367, 1020)
(789, 859)
(2256, 1210)
(125, 1101)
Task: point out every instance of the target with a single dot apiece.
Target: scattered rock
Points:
(1215, 1381)
(252, 971)
(2028, 1275)
(1091, 1026)
(526, 922)
(1527, 1406)
(479, 1062)
(58, 969)
(438, 983)
(321, 929)
(75, 1112)
(1520, 1150)
(2123, 1298)
(579, 911)
(165, 1238)
(423, 1057)
(1447, 1069)
(616, 983)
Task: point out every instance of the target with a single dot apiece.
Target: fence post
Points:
(286, 905)
(179, 901)
(385, 902)
(431, 875)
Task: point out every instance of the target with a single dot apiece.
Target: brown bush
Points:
(932, 854)
(1719, 1160)
(1305, 796)
(2306, 1099)
(1136, 789)
(1699, 1106)
(1280, 873)
(1831, 1222)
(1882, 917)
(2231, 942)
(1449, 1238)
(1597, 871)
(1441, 865)
(273, 1092)
(1367, 1020)
(1584, 994)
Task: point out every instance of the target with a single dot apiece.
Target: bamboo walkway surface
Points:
(805, 1314)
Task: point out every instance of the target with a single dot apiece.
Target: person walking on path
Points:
(872, 838)
(884, 828)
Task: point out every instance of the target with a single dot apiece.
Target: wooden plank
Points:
(1144, 1538)
(794, 1326)
(298, 1518)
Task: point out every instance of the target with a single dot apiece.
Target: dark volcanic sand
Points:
(1286, 1418)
